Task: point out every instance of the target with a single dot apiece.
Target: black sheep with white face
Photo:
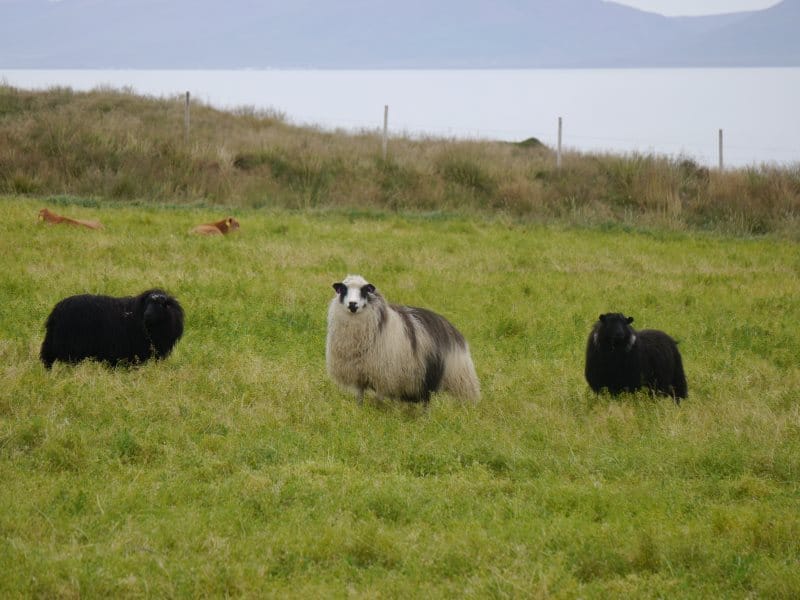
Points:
(621, 359)
(130, 330)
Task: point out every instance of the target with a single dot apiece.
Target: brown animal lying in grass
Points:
(54, 219)
(219, 228)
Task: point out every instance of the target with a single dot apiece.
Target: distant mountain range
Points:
(234, 34)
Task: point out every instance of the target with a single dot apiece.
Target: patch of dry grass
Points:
(114, 145)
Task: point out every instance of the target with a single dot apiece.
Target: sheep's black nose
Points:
(353, 307)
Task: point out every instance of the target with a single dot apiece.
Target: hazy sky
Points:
(683, 7)
(697, 7)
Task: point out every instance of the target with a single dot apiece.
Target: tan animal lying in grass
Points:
(54, 219)
(219, 228)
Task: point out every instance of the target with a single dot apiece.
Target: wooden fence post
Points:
(186, 118)
(721, 162)
(558, 153)
(385, 129)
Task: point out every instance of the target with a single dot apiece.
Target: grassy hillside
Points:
(236, 468)
(114, 145)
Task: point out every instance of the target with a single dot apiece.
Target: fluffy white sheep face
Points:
(353, 293)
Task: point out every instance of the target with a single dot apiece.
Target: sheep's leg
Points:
(360, 396)
(674, 395)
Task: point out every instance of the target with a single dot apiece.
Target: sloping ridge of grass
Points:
(115, 145)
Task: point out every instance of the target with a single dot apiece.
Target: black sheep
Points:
(623, 360)
(130, 330)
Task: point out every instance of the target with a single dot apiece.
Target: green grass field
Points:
(236, 468)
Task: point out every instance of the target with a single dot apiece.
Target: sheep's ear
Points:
(630, 320)
(369, 288)
(339, 287)
(602, 318)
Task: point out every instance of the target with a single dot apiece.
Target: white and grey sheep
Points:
(399, 352)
